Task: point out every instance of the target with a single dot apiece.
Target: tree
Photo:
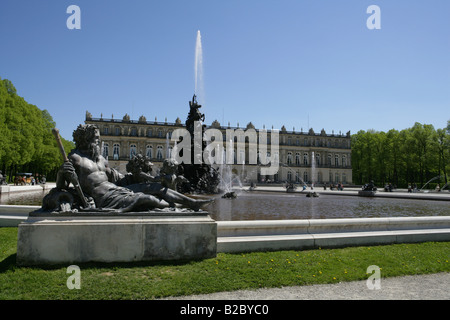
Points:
(443, 149)
(26, 141)
(413, 155)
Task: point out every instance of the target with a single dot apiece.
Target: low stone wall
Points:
(12, 216)
(269, 235)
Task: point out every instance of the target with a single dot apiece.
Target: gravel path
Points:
(421, 287)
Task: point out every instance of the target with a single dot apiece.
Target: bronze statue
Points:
(194, 113)
(163, 186)
(103, 187)
(2, 179)
(202, 178)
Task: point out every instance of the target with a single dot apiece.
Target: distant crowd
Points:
(24, 179)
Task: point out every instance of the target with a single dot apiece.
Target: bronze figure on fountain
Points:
(202, 177)
(99, 188)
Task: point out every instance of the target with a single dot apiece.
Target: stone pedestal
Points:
(115, 238)
(4, 189)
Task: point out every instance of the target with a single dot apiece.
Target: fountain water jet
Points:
(313, 169)
(227, 177)
(198, 66)
(435, 178)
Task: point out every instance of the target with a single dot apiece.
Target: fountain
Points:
(312, 194)
(435, 178)
(198, 69)
(203, 178)
(227, 177)
(313, 170)
(291, 186)
(445, 186)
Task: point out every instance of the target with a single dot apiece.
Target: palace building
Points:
(303, 156)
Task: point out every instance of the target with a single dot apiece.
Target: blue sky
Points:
(286, 62)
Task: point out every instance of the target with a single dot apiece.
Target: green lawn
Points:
(224, 273)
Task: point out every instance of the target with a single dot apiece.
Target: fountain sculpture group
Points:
(200, 177)
(95, 213)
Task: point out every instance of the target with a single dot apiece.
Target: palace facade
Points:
(303, 156)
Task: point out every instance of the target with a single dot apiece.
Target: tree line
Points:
(26, 141)
(411, 156)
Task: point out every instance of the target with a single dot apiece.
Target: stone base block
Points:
(72, 239)
(4, 189)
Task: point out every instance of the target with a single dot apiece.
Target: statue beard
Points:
(95, 151)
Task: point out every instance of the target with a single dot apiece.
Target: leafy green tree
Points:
(413, 155)
(26, 141)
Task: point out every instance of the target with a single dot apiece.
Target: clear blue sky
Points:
(284, 62)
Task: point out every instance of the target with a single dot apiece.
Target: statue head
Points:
(170, 166)
(86, 137)
(139, 163)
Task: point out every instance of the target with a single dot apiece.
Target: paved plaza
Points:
(418, 287)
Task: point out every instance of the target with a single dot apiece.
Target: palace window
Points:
(276, 157)
(134, 132)
(305, 159)
(149, 132)
(117, 131)
(289, 158)
(105, 150)
(159, 155)
(297, 159)
(149, 151)
(105, 131)
(336, 161)
(116, 148)
(241, 157)
(133, 150)
(289, 176)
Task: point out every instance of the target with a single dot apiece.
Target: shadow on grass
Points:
(10, 264)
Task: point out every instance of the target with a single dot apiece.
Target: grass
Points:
(226, 272)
